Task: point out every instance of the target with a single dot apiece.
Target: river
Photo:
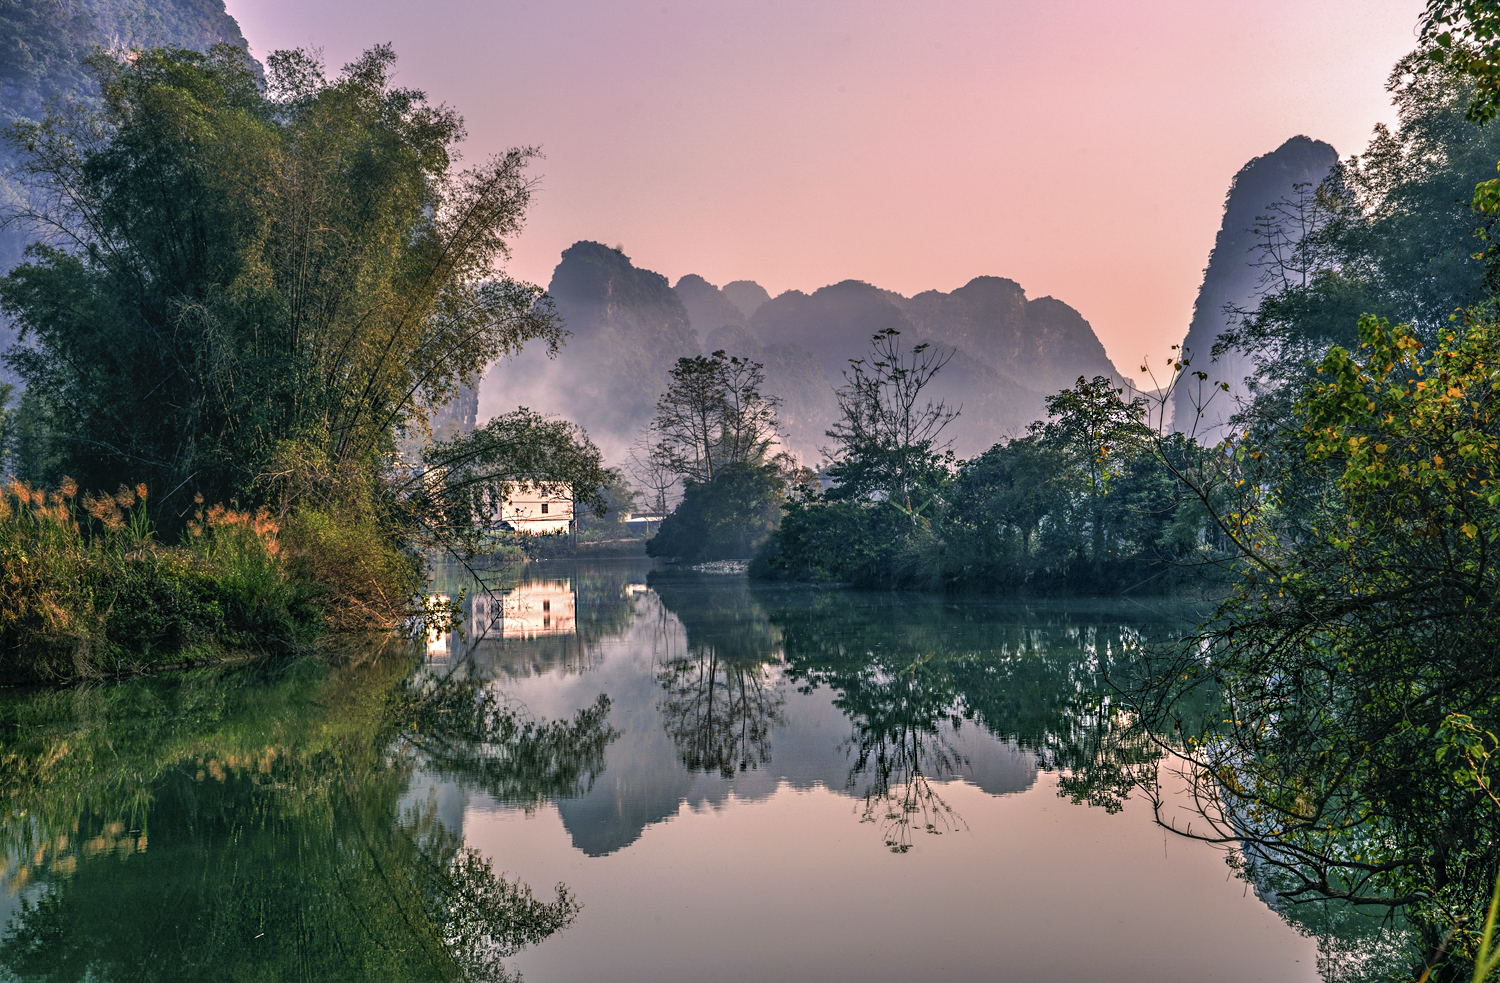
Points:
(730, 781)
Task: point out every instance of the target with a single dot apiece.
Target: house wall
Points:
(539, 510)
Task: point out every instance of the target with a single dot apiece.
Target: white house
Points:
(539, 509)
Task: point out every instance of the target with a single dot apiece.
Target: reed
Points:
(88, 591)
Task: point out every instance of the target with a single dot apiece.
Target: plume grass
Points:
(87, 591)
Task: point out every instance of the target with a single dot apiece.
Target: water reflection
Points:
(258, 823)
(527, 610)
(516, 621)
(720, 692)
(310, 822)
(471, 734)
(912, 675)
(722, 697)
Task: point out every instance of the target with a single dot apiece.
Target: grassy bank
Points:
(88, 590)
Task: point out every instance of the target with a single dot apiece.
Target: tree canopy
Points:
(242, 277)
(713, 415)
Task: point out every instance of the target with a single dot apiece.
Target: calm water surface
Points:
(780, 784)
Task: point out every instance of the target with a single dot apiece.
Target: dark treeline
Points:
(1080, 504)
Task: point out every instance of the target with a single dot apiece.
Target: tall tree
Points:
(247, 277)
(1093, 422)
(888, 433)
(712, 415)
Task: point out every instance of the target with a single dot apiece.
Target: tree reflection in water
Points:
(722, 698)
(467, 731)
(908, 674)
(911, 674)
(900, 760)
(719, 712)
(257, 824)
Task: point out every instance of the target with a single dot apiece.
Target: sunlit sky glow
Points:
(1082, 149)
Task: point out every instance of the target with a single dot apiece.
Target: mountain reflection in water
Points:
(838, 772)
(821, 784)
(720, 691)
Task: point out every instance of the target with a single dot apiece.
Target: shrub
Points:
(852, 541)
(360, 578)
(725, 518)
(87, 591)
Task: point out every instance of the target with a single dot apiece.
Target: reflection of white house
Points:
(484, 616)
(437, 644)
(546, 608)
(539, 609)
(539, 509)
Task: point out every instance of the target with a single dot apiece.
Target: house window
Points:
(546, 605)
(544, 508)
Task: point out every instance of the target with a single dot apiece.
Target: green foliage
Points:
(1353, 663)
(727, 517)
(87, 591)
(1097, 427)
(1082, 504)
(1464, 36)
(887, 435)
(260, 294)
(458, 493)
(240, 268)
(362, 576)
(840, 540)
(1355, 658)
(1389, 233)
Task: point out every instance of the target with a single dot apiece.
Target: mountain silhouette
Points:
(627, 329)
(747, 295)
(1232, 281)
(1006, 352)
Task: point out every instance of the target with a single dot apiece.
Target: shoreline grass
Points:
(87, 591)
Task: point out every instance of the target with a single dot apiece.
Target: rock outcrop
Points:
(1006, 352)
(1232, 281)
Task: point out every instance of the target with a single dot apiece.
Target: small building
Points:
(643, 525)
(539, 509)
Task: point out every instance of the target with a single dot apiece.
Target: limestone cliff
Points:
(1232, 280)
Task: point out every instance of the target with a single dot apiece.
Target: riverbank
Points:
(89, 592)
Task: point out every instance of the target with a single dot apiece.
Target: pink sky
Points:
(1082, 149)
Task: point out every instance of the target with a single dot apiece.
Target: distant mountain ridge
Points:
(628, 329)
